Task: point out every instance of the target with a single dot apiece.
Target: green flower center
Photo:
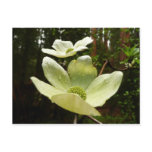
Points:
(69, 50)
(77, 90)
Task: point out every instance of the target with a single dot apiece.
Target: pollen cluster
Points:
(77, 90)
(69, 50)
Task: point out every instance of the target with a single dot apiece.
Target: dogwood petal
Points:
(52, 52)
(84, 42)
(57, 53)
(70, 53)
(55, 74)
(82, 72)
(62, 46)
(103, 87)
(74, 103)
(80, 48)
(44, 88)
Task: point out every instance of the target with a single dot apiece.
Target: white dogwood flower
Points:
(63, 49)
(78, 90)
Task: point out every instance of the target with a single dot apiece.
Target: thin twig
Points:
(75, 119)
(103, 67)
(95, 120)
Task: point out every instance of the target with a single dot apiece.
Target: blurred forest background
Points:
(116, 47)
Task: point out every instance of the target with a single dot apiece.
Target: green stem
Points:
(95, 120)
(75, 119)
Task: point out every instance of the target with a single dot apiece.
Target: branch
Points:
(101, 71)
(95, 120)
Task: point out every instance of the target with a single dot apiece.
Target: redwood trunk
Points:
(93, 35)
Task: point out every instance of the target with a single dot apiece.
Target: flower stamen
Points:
(69, 50)
(78, 90)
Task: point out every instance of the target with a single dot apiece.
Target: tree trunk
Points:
(124, 36)
(25, 54)
(106, 40)
(38, 64)
(101, 40)
(93, 35)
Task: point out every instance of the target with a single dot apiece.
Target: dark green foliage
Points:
(121, 53)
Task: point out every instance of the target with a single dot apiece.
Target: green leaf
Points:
(74, 103)
(103, 87)
(55, 74)
(44, 88)
(82, 72)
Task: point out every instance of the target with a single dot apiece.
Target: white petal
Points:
(80, 48)
(57, 53)
(72, 102)
(62, 46)
(51, 52)
(55, 74)
(82, 72)
(44, 88)
(103, 87)
(84, 42)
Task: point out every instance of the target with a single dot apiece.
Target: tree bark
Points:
(93, 35)
(106, 40)
(124, 36)
(38, 64)
(25, 48)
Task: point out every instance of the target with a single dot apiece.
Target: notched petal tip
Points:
(44, 50)
(32, 78)
(84, 57)
(118, 75)
(46, 59)
(52, 52)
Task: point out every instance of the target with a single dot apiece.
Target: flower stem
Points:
(95, 120)
(75, 119)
